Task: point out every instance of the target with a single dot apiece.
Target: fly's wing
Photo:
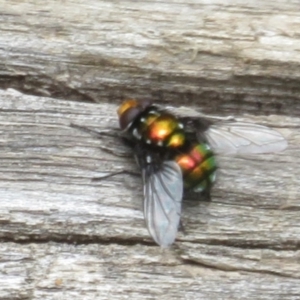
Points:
(227, 136)
(163, 189)
(243, 138)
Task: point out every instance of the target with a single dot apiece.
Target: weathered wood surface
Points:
(64, 235)
(224, 55)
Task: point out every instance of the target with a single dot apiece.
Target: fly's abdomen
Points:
(198, 167)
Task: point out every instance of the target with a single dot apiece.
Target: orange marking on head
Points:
(126, 105)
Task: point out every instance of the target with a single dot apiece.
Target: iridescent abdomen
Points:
(198, 167)
(197, 161)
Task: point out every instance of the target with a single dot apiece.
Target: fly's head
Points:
(130, 110)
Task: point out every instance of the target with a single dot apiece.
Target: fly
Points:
(176, 150)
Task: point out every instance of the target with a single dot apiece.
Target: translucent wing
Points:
(227, 136)
(163, 190)
(243, 138)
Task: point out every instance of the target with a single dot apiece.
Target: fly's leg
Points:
(193, 197)
(107, 133)
(181, 228)
(116, 173)
(95, 133)
(206, 195)
(113, 134)
(135, 149)
(99, 134)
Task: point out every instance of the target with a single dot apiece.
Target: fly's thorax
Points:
(159, 129)
(198, 167)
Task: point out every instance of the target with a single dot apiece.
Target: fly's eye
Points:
(129, 110)
(128, 117)
(127, 104)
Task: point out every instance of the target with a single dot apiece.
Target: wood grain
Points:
(225, 56)
(65, 236)
(73, 236)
